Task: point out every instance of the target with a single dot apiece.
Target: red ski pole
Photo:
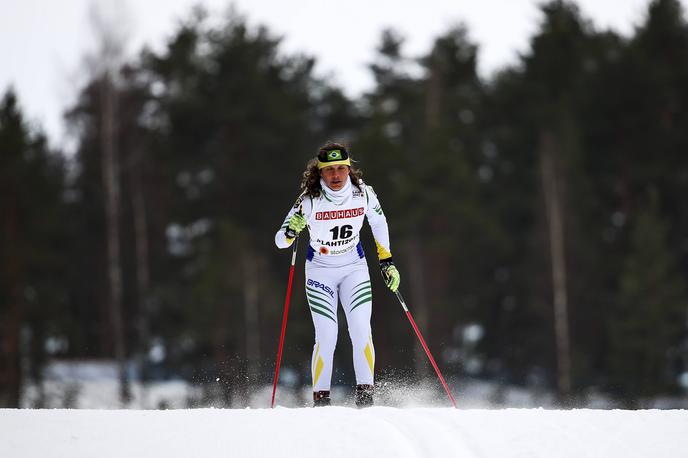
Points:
(425, 347)
(284, 320)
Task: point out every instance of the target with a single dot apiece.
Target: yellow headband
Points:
(322, 165)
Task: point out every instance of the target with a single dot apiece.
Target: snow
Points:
(412, 419)
(343, 432)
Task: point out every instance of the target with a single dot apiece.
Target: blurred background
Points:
(537, 211)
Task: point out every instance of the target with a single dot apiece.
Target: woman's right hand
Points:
(296, 224)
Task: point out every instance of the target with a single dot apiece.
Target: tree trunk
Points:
(222, 362)
(142, 269)
(419, 304)
(112, 200)
(10, 373)
(417, 281)
(251, 315)
(553, 191)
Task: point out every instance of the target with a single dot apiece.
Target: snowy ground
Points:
(410, 420)
(343, 432)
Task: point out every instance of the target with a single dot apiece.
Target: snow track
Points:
(343, 432)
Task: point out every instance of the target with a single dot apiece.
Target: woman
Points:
(333, 204)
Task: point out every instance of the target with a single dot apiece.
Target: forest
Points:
(535, 215)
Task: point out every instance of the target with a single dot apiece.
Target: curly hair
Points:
(310, 184)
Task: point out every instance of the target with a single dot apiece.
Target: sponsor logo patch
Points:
(334, 243)
(339, 214)
(343, 250)
(322, 286)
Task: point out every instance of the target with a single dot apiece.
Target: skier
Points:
(333, 205)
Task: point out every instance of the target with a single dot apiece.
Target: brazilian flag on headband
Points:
(335, 156)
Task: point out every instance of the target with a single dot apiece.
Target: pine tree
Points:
(650, 316)
(33, 252)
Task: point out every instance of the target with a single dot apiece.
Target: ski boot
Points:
(364, 396)
(321, 398)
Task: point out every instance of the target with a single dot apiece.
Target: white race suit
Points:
(336, 269)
